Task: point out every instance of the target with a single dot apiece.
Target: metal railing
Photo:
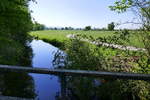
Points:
(117, 75)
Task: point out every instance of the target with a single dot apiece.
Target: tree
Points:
(55, 28)
(62, 28)
(15, 19)
(142, 10)
(66, 28)
(38, 26)
(70, 28)
(15, 23)
(140, 7)
(87, 28)
(111, 26)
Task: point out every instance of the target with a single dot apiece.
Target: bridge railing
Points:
(117, 75)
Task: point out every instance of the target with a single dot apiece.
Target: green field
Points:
(60, 35)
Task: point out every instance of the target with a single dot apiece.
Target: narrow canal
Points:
(46, 86)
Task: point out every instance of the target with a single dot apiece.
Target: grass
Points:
(60, 36)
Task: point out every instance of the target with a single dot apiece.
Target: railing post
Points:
(63, 86)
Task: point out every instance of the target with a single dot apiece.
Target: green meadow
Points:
(61, 35)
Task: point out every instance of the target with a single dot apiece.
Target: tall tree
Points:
(15, 23)
(142, 9)
(111, 26)
(15, 19)
(38, 26)
(87, 28)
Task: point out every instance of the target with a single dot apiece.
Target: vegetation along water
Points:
(25, 42)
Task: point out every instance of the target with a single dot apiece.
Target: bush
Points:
(111, 26)
(87, 28)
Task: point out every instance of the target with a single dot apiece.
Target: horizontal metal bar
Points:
(8, 68)
(12, 98)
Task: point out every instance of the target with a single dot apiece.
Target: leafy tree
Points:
(62, 28)
(55, 28)
(87, 28)
(70, 28)
(15, 23)
(66, 28)
(15, 19)
(38, 26)
(142, 9)
(111, 26)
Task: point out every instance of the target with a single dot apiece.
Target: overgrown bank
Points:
(84, 56)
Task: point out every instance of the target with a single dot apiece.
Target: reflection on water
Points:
(18, 84)
(47, 86)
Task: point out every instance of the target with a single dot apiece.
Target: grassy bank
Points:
(61, 35)
(57, 37)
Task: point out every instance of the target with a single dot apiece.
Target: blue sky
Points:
(77, 13)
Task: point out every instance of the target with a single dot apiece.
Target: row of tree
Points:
(37, 26)
(110, 27)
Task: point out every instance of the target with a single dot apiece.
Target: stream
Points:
(46, 86)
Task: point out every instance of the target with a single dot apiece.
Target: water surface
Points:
(46, 86)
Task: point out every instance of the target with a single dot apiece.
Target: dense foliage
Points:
(111, 26)
(142, 10)
(37, 26)
(84, 56)
(15, 23)
(87, 28)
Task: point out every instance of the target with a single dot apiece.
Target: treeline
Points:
(110, 27)
(37, 26)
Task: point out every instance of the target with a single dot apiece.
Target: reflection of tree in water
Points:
(18, 84)
(85, 88)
